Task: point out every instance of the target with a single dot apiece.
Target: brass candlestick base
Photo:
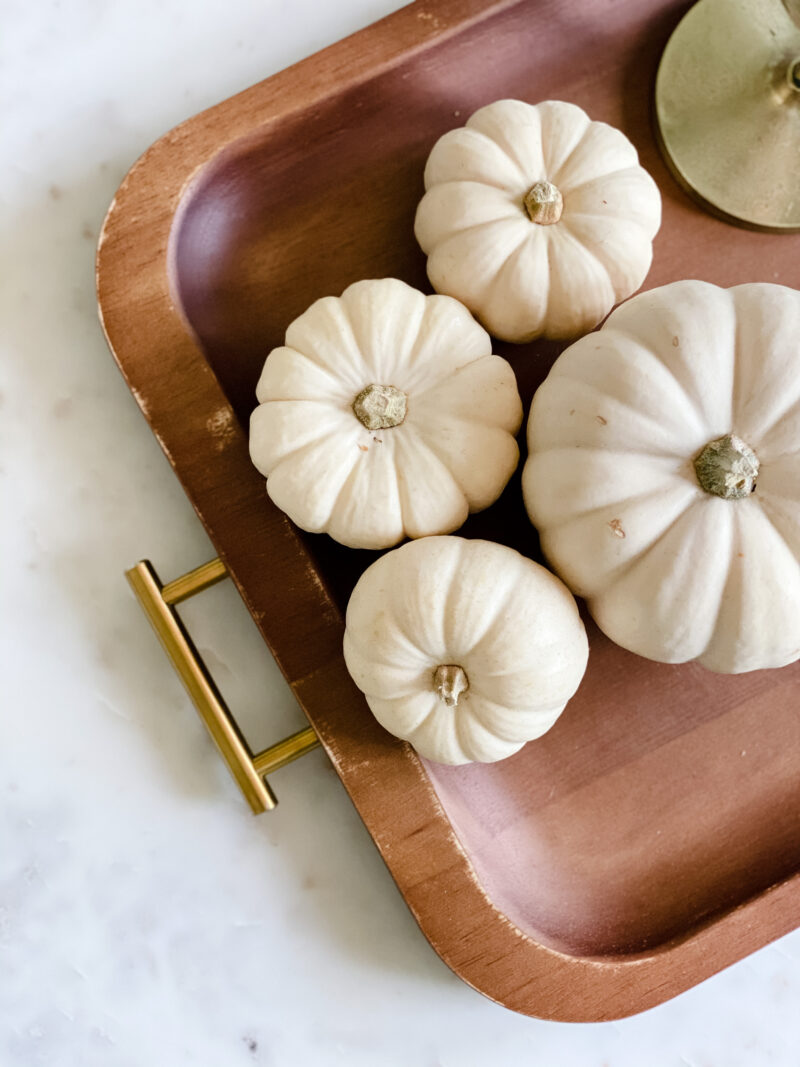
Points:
(728, 109)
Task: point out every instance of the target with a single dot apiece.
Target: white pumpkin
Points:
(537, 218)
(664, 474)
(385, 416)
(464, 648)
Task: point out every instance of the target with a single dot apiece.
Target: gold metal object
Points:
(247, 768)
(286, 751)
(728, 109)
(202, 577)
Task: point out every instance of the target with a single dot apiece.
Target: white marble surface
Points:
(145, 917)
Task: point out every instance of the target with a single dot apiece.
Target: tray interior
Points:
(664, 795)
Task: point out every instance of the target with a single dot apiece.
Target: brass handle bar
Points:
(247, 768)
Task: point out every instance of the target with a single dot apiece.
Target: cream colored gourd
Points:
(537, 218)
(464, 648)
(664, 474)
(385, 416)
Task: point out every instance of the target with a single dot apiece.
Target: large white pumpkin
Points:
(537, 218)
(385, 416)
(464, 648)
(664, 474)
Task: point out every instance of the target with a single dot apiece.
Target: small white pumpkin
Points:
(385, 416)
(537, 218)
(464, 648)
(664, 474)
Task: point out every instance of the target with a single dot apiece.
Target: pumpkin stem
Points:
(380, 407)
(544, 203)
(727, 467)
(450, 681)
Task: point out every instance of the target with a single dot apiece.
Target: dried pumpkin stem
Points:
(544, 203)
(727, 467)
(380, 407)
(450, 681)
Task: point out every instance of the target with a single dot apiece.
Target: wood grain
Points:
(653, 836)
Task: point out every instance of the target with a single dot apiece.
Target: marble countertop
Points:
(145, 916)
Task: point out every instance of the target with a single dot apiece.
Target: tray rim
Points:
(417, 842)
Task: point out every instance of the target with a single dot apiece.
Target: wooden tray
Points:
(652, 837)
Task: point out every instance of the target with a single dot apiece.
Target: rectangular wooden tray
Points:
(652, 837)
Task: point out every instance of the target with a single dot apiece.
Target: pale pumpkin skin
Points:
(507, 624)
(670, 570)
(453, 450)
(556, 277)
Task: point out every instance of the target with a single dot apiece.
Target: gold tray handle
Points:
(247, 768)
